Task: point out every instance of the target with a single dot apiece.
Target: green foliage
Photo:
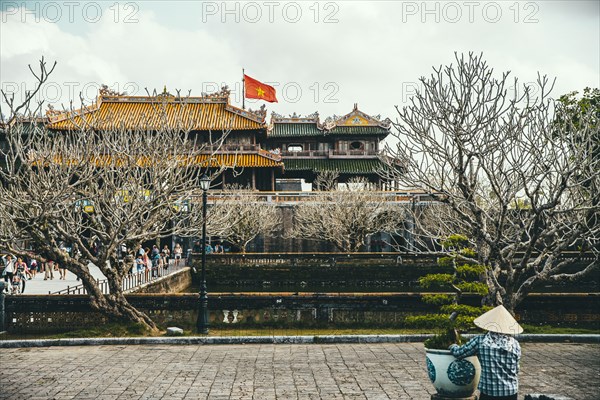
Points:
(456, 242)
(444, 340)
(464, 279)
(470, 271)
(439, 322)
(464, 310)
(468, 252)
(438, 299)
(436, 281)
(575, 107)
(473, 287)
(445, 261)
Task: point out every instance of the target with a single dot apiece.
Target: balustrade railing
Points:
(306, 154)
(130, 281)
(330, 153)
(419, 198)
(353, 153)
(232, 148)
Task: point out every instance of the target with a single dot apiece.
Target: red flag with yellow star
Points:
(258, 90)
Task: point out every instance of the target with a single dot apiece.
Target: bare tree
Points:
(134, 183)
(505, 173)
(344, 215)
(239, 216)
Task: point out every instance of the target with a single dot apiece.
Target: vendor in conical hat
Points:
(498, 352)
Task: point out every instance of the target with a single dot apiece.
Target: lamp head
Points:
(204, 182)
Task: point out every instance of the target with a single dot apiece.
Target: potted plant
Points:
(451, 377)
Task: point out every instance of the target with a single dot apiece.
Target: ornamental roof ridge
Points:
(296, 118)
(108, 95)
(356, 118)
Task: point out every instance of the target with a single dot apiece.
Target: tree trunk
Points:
(121, 308)
(495, 291)
(114, 305)
(510, 302)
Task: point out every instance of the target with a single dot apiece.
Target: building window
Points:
(356, 146)
(293, 148)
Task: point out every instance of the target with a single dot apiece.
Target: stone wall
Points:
(173, 283)
(335, 272)
(43, 313)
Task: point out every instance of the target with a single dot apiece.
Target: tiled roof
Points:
(291, 129)
(355, 123)
(238, 160)
(217, 160)
(368, 166)
(359, 130)
(148, 113)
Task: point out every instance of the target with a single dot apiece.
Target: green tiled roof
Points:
(296, 129)
(289, 129)
(359, 130)
(367, 166)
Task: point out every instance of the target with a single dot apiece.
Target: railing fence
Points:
(130, 281)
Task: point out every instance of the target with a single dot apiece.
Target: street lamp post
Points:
(202, 323)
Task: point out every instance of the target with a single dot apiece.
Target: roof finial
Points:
(165, 90)
(355, 106)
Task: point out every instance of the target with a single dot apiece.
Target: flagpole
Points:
(243, 89)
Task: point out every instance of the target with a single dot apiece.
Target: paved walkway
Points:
(40, 286)
(334, 371)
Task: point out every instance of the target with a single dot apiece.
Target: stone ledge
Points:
(325, 339)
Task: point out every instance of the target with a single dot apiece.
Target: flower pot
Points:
(451, 377)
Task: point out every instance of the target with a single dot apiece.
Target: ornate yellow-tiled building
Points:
(260, 155)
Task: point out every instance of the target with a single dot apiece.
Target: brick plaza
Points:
(332, 371)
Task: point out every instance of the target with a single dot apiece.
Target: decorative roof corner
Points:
(223, 94)
(261, 112)
(52, 113)
(259, 115)
(106, 91)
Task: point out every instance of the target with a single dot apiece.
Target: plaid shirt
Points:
(499, 357)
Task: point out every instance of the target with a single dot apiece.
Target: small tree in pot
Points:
(452, 378)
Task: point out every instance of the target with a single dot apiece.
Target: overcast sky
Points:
(321, 56)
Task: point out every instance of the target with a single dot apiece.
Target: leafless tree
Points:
(239, 216)
(344, 215)
(505, 174)
(111, 187)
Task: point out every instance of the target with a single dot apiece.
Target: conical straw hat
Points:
(498, 320)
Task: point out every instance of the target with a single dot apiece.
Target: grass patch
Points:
(106, 330)
(134, 330)
(560, 330)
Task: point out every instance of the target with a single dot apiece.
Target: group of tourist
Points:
(151, 261)
(218, 249)
(17, 271)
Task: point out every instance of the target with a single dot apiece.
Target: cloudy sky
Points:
(321, 56)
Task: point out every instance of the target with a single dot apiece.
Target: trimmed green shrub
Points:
(466, 278)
